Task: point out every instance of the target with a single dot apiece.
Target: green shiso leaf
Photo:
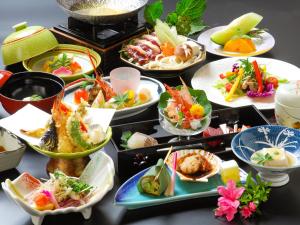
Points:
(198, 95)
(153, 11)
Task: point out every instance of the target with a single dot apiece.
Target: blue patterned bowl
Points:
(253, 139)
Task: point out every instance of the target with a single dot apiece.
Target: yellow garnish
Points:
(197, 110)
(144, 95)
(235, 85)
(130, 94)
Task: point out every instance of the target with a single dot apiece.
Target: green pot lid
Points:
(26, 42)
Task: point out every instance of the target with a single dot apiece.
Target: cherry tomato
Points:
(4, 75)
(80, 94)
(228, 87)
(272, 80)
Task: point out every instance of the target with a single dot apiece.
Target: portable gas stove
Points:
(107, 40)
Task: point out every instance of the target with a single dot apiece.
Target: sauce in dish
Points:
(273, 157)
(2, 149)
(100, 11)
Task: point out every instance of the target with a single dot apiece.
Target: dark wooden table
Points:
(280, 17)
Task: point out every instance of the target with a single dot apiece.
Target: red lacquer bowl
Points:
(25, 84)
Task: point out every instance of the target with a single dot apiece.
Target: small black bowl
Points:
(25, 84)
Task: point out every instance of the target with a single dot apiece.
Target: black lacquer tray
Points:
(132, 161)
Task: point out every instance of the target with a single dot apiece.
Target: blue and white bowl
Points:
(254, 139)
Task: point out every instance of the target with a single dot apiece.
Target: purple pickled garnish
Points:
(47, 193)
(235, 67)
(269, 91)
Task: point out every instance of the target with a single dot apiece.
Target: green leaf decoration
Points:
(153, 11)
(199, 96)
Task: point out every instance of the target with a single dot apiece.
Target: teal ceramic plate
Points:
(74, 155)
(129, 196)
(79, 53)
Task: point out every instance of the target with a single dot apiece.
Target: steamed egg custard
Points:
(273, 157)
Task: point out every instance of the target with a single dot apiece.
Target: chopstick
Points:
(165, 160)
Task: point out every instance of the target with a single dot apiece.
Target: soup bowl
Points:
(35, 88)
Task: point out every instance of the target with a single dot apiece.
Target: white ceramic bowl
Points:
(287, 104)
(99, 173)
(287, 116)
(14, 150)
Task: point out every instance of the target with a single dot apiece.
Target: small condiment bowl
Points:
(125, 78)
(254, 139)
(13, 150)
(25, 84)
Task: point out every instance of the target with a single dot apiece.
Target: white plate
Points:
(99, 173)
(153, 85)
(262, 46)
(207, 76)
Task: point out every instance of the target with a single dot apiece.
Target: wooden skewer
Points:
(182, 81)
(165, 160)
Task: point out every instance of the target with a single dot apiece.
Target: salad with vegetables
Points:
(62, 64)
(185, 108)
(60, 191)
(248, 78)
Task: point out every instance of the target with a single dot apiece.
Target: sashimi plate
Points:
(154, 86)
(129, 196)
(262, 46)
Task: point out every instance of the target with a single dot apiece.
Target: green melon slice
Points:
(239, 26)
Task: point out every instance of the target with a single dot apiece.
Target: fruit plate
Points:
(99, 173)
(129, 196)
(207, 76)
(169, 73)
(262, 46)
(79, 53)
(153, 85)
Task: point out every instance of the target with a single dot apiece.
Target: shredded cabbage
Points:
(269, 91)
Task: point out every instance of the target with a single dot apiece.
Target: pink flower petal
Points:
(246, 212)
(219, 212)
(231, 191)
(252, 206)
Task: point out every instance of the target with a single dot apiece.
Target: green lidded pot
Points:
(26, 42)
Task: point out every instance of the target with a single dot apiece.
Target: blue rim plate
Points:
(129, 196)
(153, 85)
(256, 138)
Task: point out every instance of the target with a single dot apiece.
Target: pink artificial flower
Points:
(227, 208)
(231, 191)
(246, 212)
(252, 206)
(229, 203)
